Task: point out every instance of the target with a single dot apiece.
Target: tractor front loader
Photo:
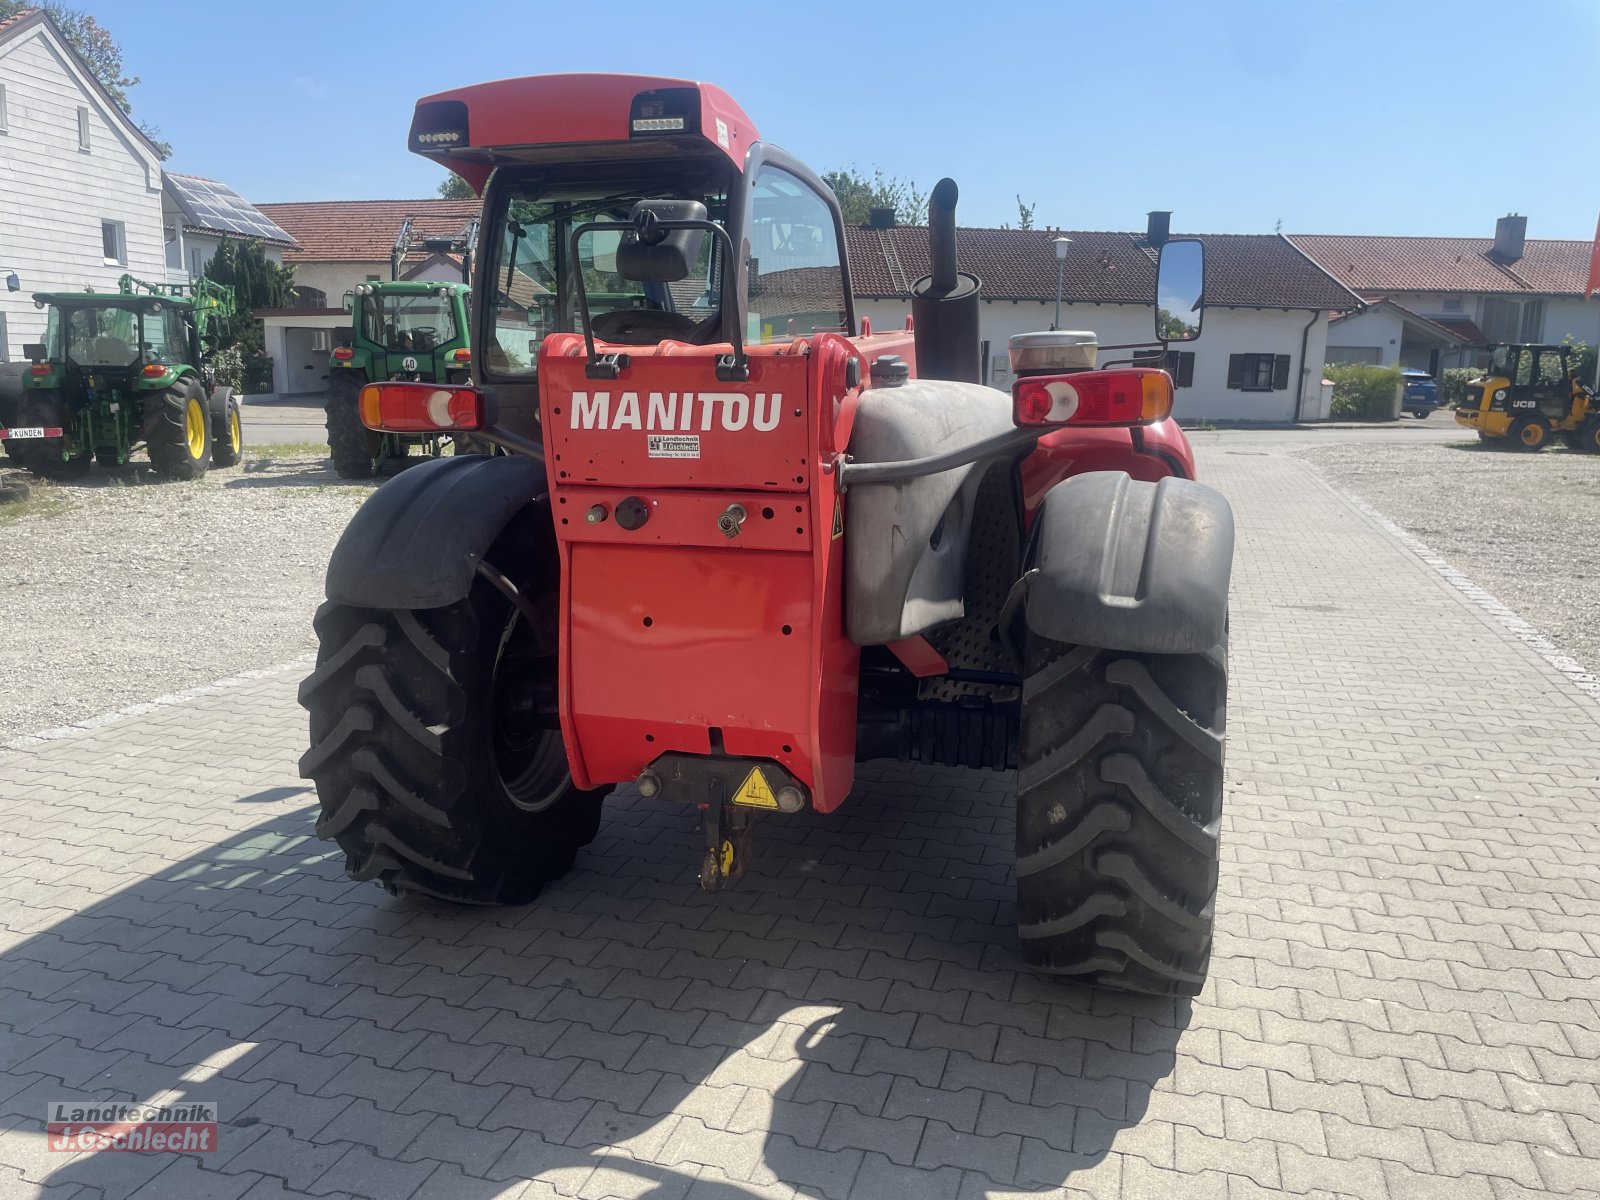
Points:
(406, 330)
(124, 368)
(738, 543)
(1529, 395)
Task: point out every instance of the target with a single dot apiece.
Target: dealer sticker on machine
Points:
(674, 445)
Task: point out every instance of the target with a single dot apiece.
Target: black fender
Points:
(1123, 565)
(417, 541)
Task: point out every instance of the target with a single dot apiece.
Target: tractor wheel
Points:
(227, 436)
(1587, 437)
(352, 445)
(43, 456)
(1119, 808)
(177, 431)
(436, 741)
(1529, 433)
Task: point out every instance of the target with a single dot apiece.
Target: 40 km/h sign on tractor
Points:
(737, 542)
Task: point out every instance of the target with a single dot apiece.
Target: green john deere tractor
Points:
(412, 329)
(415, 330)
(117, 369)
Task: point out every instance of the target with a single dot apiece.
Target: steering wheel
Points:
(641, 326)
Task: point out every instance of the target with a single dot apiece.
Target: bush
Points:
(1453, 384)
(1362, 392)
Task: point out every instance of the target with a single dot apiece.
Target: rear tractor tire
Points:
(1586, 438)
(177, 431)
(1119, 810)
(227, 435)
(45, 456)
(352, 446)
(436, 742)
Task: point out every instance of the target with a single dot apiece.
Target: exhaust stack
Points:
(944, 303)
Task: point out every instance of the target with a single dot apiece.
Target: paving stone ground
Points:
(1403, 1001)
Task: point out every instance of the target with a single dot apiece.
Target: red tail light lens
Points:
(154, 370)
(423, 408)
(463, 355)
(1137, 396)
(343, 354)
(39, 369)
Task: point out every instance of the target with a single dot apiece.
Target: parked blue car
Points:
(1421, 394)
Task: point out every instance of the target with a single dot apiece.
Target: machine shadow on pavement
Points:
(852, 1015)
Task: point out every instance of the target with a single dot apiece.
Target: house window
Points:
(321, 341)
(1452, 304)
(197, 262)
(2, 108)
(83, 128)
(1258, 372)
(113, 243)
(1501, 319)
(1177, 363)
(1533, 321)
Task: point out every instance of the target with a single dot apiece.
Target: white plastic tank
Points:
(1053, 352)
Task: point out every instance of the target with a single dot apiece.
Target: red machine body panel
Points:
(561, 110)
(1150, 453)
(742, 635)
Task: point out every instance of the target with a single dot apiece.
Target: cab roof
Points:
(552, 118)
(110, 299)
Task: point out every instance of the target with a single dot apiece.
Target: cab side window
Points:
(796, 283)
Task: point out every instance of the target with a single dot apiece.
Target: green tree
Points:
(858, 196)
(100, 53)
(1025, 213)
(457, 188)
(257, 282)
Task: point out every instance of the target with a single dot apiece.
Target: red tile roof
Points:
(1242, 270)
(16, 18)
(1441, 264)
(364, 230)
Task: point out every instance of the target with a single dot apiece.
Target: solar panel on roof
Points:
(215, 206)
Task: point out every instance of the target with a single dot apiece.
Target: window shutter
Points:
(1236, 370)
(1280, 373)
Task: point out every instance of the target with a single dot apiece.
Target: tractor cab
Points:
(1528, 394)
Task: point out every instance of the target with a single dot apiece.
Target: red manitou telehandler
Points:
(738, 543)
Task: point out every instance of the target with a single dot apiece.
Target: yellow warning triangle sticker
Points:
(754, 792)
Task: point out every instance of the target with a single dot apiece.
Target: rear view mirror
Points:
(33, 351)
(1180, 290)
(349, 302)
(650, 254)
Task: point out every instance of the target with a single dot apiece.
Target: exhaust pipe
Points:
(944, 303)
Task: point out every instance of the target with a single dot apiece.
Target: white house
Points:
(338, 244)
(80, 185)
(198, 214)
(1508, 288)
(1260, 354)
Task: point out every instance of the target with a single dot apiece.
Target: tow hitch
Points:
(729, 793)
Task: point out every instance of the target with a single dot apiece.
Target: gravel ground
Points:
(113, 593)
(1524, 526)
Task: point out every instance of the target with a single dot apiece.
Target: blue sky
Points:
(1331, 116)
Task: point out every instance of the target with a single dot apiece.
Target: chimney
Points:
(1157, 228)
(880, 218)
(1509, 233)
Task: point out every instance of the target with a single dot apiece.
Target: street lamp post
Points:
(1061, 244)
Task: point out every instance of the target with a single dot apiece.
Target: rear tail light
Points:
(154, 370)
(1137, 396)
(463, 355)
(39, 369)
(343, 354)
(423, 408)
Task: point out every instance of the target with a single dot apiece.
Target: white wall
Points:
(53, 196)
(337, 278)
(1380, 327)
(1226, 331)
(1568, 315)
